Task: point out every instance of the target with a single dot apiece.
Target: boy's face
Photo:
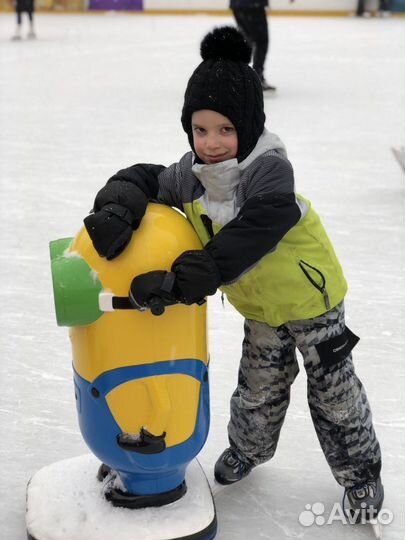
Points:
(214, 136)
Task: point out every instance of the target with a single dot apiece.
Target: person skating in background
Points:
(399, 154)
(265, 247)
(251, 18)
(28, 7)
(383, 8)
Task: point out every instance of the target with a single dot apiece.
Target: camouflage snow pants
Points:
(337, 400)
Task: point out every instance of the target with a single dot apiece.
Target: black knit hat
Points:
(225, 83)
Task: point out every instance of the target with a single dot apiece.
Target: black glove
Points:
(142, 175)
(110, 230)
(194, 276)
(118, 210)
(153, 290)
(125, 194)
(197, 276)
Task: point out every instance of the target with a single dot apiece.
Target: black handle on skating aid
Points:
(142, 442)
(112, 303)
(156, 306)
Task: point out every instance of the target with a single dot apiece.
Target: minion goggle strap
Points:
(108, 302)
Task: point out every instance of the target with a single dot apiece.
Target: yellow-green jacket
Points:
(275, 259)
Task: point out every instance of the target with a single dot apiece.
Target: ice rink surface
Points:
(96, 93)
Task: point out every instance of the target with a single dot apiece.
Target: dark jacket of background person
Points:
(251, 18)
(248, 3)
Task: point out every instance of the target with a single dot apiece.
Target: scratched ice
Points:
(96, 93)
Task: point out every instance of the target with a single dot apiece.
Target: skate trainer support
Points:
(140, 380)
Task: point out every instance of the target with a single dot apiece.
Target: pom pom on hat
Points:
(226, 43)
(225, 83)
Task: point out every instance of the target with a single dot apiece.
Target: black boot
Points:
(366, 499)
(266, 86)
(230, 468)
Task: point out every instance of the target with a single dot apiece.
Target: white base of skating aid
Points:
(65, 501)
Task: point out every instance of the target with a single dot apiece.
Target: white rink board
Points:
(281, 5)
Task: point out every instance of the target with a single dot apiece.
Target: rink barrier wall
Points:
(202, 7)
(74, 8)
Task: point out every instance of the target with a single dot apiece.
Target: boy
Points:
(265, 247)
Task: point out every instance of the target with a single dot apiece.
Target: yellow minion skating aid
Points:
(141, 380)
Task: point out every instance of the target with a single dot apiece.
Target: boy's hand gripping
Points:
(153, 290)
(194, 276)
(110, 230)
(118, 210)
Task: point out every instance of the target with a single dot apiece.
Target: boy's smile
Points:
(214, 136)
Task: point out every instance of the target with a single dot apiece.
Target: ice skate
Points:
(31, 34)
(399, 154)
(17, 35)
(266, 87)
(365, 500)
(230, 468)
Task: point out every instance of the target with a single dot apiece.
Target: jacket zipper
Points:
(321, 288)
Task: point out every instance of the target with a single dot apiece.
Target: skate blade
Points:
(377, 528)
